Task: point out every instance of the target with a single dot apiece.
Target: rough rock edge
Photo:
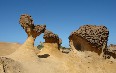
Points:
(8, 65)
(48, 35)
(96, 31)
(26, 22)
(96, 36)
(110, 51)
(12, 62)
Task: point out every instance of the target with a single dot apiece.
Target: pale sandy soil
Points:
(8, 48)
(51, 60)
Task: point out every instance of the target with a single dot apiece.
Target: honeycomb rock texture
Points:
(91, 35)
(8, 65)
(50, 37)
(26, 22)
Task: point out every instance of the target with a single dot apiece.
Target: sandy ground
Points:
(50, 60)
(8, 48)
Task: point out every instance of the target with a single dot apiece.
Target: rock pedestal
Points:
(50, 37)
(89, 38)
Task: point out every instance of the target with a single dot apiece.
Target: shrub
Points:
(40, 47)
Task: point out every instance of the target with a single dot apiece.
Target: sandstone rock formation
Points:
(50, 59)
(7, 65)
(51, 45)
(25, 53)
(32, 30)
(90, 38)
(50, 37)
(110, 51)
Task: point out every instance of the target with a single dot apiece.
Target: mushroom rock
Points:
(50, 37)
(25, 55)
(27, 52)
(89, 38)
(51, 44)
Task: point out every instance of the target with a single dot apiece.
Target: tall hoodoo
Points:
(27, 49)
(32, 30)
(25, 53)
(90, 38)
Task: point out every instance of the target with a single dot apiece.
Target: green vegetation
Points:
(40, 47)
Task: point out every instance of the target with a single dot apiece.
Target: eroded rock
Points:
(26, 22)
(90, 38)
(50, 37)
(110, 51)
(8, 65)
(26, 52)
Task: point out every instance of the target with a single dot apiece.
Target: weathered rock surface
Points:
(26, 22)
(32, 31)
(110, 51)
(51, 60)
(50, 37)
(8, 65)
(51, 45)
(25, 54)
(89, 37)
(65, 50)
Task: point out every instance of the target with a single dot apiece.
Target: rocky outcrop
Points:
(32, 30)
(26, 52)
(8, 65)
(50, 37)
(51, 45)
(90, 38)
(110, 51)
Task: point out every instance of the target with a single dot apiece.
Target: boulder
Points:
(89, 38)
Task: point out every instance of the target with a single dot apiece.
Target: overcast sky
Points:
(60, 16)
